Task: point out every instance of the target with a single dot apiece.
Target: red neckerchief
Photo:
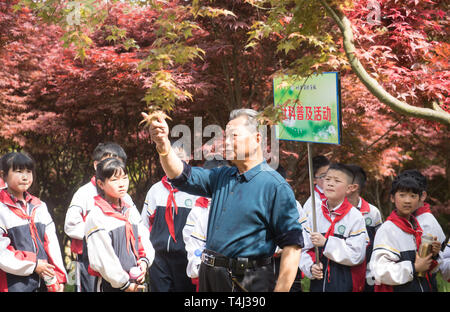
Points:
(11, 202)
(421, 210)
(340, 214)
(170, 200)
(202, 202)
(113, 211)
(407, 226)
(321, 194)
(365, 208)
(76, 245)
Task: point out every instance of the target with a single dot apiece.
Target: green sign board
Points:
(311, 108)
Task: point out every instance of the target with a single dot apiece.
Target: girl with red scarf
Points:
(116, 239)
(395, 261)
(29, 248)
(75, 222)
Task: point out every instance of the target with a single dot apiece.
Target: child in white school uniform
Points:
(423, 214)
(194, 232)
(395, 262)
(30, 255)
(341, 238)
(371, 214)
(165, 214)
(117, 240)
(444, 265)
(428, 223)
(79, 208)
(320, 167)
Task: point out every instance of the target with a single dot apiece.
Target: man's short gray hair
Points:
(252, 121)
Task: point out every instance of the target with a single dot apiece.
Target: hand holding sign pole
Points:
(313, 197)
(311, 108)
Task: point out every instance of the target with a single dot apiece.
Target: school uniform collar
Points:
(410, 226)
(421, 210)
(18, 208)
(121, 213)
(10, 200)
(335, 210)
(318, 189)
(108, 207)
(363, 206)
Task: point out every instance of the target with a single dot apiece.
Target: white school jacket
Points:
(105, 236)
(431, 226)
(79, 208)
(19, 252)
(372, 218)
(347, 247)
(392, 261)
(444, 263)
(194, 236)
(153, 216)
(308, 204)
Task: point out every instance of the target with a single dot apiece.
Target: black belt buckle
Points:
(241, 265)
(209, 260)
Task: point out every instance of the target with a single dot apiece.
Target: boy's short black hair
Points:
(343, 168)
(359, 174)
(15, 160)
(416, 175)
(406, 184)
(109, 149)
(318, 162)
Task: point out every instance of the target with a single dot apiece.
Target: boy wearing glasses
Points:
(320, 167)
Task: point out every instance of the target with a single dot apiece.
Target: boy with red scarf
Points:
(423, 214)
(165, 213)
(371, 215)
(426, 219)
(395, 261)
(320, 167)
(341, 237)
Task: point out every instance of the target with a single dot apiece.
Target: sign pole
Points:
(313, 196)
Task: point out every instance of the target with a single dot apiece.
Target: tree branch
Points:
(436, 114)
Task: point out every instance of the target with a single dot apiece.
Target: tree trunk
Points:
(435, 114)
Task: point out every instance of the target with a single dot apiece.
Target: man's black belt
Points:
(236, 265)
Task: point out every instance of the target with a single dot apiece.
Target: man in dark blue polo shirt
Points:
(253, 210)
